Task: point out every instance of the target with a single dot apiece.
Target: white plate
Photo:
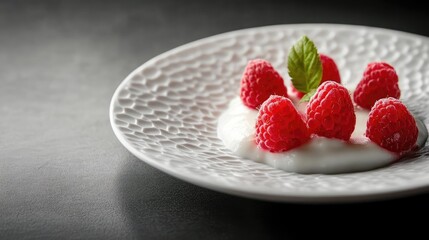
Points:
(165, 112)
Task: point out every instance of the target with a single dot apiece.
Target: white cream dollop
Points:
(236, 128)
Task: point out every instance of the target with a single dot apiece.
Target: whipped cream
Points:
(236, 128)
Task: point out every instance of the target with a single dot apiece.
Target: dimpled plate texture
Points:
(166, 111)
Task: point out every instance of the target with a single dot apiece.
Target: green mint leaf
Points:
(307, 96)
(304, 65)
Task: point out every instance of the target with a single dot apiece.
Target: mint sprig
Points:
(307, 96)
(305, 67)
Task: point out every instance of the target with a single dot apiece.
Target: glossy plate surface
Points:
(165, 112)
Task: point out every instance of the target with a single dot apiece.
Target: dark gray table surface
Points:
(64, 175)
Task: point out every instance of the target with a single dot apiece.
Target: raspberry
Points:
(330, 112)
(330, 69)
(376, 65)
(297, 93)
(260, 80)
(330, 72)
(279, 126)
(379, 81)
(391, 126)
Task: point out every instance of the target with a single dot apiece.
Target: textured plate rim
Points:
(412, 187)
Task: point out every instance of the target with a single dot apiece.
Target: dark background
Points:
(64, 175)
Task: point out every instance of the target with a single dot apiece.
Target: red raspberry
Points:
(391, 126)
(379, 81)
(376, 65)
(330, 69)
(260, 80)
(330, 73)
(330, 112)
(297, 93)
(279, 126)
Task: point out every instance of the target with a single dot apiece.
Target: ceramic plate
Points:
(166, 111)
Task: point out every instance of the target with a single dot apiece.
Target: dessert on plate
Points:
(316, 125)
